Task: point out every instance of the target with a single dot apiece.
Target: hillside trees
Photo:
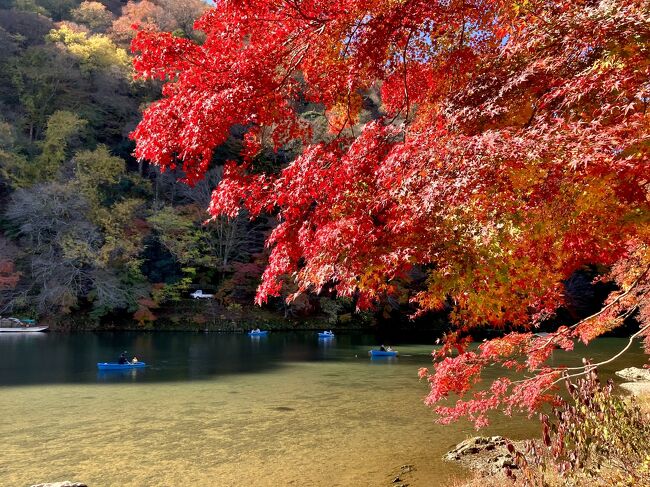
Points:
(76, 250)
(181, 15)
(511, 150)
(198, 247)
(175, 16)
(22, 172)
(9, 276)
(94, 52)
(94, 15)
(145, 14)
(50, 218)
(78, 247)
(68, 102)
(45, 80)
(105, 69)
(58, 9)
(72, 71)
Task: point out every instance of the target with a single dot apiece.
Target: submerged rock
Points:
(634, 374)
(65, 483)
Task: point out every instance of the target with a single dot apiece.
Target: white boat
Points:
(23, 329)
(15, 325)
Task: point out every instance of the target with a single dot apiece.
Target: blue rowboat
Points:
(380, 353)
(116, 366)
(325, 334)
(258, 333)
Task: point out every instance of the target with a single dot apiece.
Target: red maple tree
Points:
(511, 149)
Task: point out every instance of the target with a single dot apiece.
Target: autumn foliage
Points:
(509, 149)
(8, 275)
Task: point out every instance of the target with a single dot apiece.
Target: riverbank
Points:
(191, 315)
(488, 458)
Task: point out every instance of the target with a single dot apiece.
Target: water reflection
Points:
(119, 375)
(60, 358)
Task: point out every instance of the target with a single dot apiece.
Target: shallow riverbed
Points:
(224, 409)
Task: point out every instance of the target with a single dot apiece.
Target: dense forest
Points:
(91, 237)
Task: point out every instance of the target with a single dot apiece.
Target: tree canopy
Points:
(509, 149)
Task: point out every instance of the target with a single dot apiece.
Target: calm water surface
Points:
(228, 409)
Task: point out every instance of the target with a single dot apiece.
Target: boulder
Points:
(486, 456)
(634, 374)
(65, 483)
(475, 445)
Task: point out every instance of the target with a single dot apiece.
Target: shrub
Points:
(594, 437)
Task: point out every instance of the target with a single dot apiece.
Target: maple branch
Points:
(461, 41)
(406, 90)
(618, 298)
(601, 311)
(623, 317)
(585, 369)
(351, 37)
(293, 4)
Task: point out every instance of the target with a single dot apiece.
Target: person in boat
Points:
(123, 359)
(389, 348)
(134, 360)
(382, 348)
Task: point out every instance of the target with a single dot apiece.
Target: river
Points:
(229, 410)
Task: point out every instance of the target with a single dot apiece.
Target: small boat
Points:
(258, 333)
(24, 329)
(383, 353)
(15, 325)
(325, 334)
(118, 366)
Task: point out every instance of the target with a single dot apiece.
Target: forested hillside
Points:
(88, 235)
